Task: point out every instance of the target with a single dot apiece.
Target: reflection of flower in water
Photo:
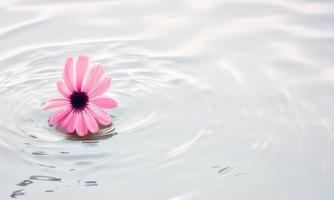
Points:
(81, 100)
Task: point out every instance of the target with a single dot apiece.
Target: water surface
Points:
(218, 99)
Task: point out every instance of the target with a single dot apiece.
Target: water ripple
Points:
(153, 109)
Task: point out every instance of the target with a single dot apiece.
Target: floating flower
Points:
(81, 105)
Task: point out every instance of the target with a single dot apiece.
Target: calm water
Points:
(218, 100)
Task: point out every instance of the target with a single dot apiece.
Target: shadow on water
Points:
(105, 133)
(36, 178)
(31, 180)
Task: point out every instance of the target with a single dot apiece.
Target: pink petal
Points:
(72, 122)
(68, 74)
(90, 122)
(67, 119)
(81, 68)
(59, 115)
(63, 89)
(80, 126)
(101, 116)
(101, 88)
(93, 78)
(55, 103)
(104, 102)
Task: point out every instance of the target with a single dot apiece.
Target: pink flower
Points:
(81, 102)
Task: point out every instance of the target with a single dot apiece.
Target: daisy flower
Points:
(81, 104)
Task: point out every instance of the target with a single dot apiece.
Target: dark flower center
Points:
(79, 100)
